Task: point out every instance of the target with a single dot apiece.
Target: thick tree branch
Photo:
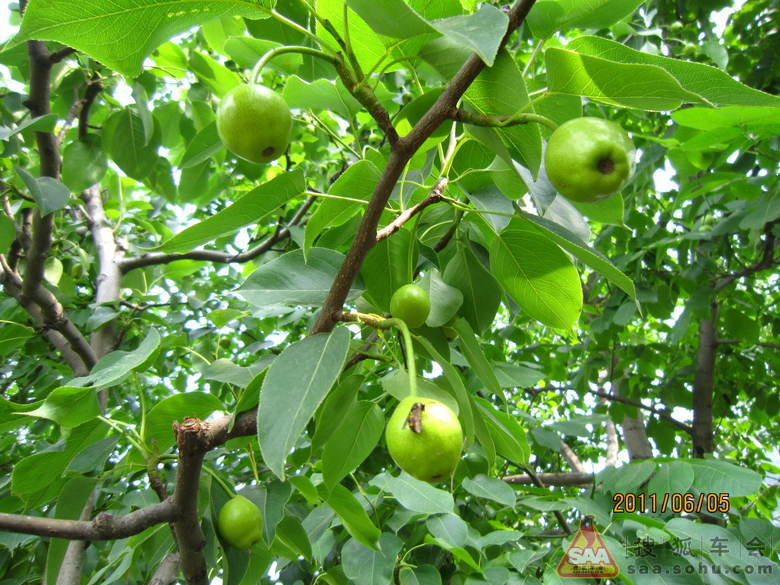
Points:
(73, 562)
(402, 151)
(167, 571)
(103, 527)
(128, 264)
(109, 276)
(556, 479)
(63, 53)
(12, 284)
(571, 458)
(704, 385)
(192, 439)
(433, 197)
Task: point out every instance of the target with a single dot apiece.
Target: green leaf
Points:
(246, 51)
(68, 406)
(354, 517)
(137, 27)
(364, 566)
(253, 207)
(70, 503)
(445, 299)
(491, 488)
(366, 44)
(500, 90)
(627, 478)
(469, 345)
(715, 475)
(36, 479)
(218, 78)
(7, 233)
(419, 575)
(392, 18)
(46, 123)
(205, 144)
(414, 494)
(716, 86)
(644, 87)
(293, 280)
(458, 389)
(724, 549)
(113, 367)
(330, 414)
(513, 376)
(224, 370)
(537, 275)
(49, 194)
(449, 529)
(295, 385)
(508, 436)
(387, 267)
(83, 163)
(481, 293)
(397, 385)
(124, 139)
(352, 441)
(291, 540)
(674, 477)
(158, 433)
(321, 94)
(549, 16)
(357, 182)
(481, 31)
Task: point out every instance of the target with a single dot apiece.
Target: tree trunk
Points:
(704, 384)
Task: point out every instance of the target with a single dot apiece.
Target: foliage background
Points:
(191, 334)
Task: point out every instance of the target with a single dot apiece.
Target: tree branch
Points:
(167, 571)
(104, 526)
(109, 276)
(704, 384)
(659, 413)
(502, 121)
(401, 152)
(433, 197)
(128, 264)
(556, 479)
(766, 261)
(537, 481)
(366, 97)
(12, 284)
(58, 56)
(192, 439)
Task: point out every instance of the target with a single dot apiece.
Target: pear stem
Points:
(379, 322)
(255, 75)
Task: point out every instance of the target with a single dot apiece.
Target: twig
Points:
(660, 413)
(433, 197)
(767, 259)
(128, 264)
(499, 121)
(536, 480)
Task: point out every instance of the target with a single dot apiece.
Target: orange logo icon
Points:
(587, 555)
